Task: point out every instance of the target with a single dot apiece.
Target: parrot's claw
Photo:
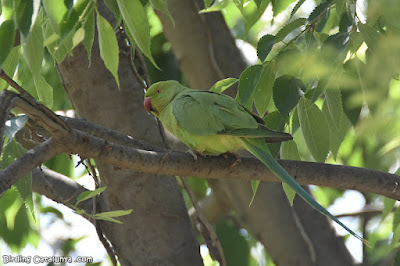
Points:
(195, 154)
(235, 155)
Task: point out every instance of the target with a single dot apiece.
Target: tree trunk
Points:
(158, 232)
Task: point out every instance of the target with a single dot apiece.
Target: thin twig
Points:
(209, 235)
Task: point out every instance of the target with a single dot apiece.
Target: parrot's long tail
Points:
(260, 150)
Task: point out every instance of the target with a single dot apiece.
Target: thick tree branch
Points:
(178, 163)
(24, 164)
(59, 188)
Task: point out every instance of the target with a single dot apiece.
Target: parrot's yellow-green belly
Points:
(207, 144)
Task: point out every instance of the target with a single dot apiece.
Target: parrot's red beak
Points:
(147, 104)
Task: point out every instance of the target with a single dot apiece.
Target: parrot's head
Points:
(160, 94)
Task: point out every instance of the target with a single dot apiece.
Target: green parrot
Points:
(212, 123)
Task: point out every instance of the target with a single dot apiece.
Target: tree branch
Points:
(24, 164)
(59, 188)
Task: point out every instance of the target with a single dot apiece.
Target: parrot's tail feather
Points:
(260, 150)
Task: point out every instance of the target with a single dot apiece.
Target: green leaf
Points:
(333, 100)
(388, 205)
(318, 11)
(79, 35)
(108, 219)
(114, 213)
(296, 7)
(9, 66)
(12, 151)
(239, 5)
(275, 121)
(247, 83)
(7, 11)
(289, 152)
(264, 46)
(74, 15)
(263, 90)
(207, 3)
(337, 132)
(335, 47)
(58, 48)
(7, 33)
(222, 85)
(24, 187)
(113, 6)
(109, 50)
(23, 11)
(288, 28)
(370, 35)
(89, 34)
(135, 19)
(33, 48)
(254, 187)
(315, 129)
(353, 90)
(44, 90)
(161, 5)
(340, 7)
(56, 11)
(286, 93)
(89, 194)
(396, 220)
(279, 5)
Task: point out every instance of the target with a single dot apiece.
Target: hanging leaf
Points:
(315, 129)
(7, 33)
(109, 50)
(263, 91)
(264, 46)
(289, 152)
(135, 19)
(370, 35)
(247, 83)
(254, 186)
(89, 194)
(161, 5)
(287, 92)
(89, 34)
(318, 11)
(224, 84)
(333, 101)
(296, 7)
(288, 28)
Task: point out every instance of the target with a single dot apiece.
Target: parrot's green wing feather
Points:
(260, 132)
(259, 149)
(209, 113)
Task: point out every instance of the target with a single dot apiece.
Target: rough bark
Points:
(158, 232)
(206, 52)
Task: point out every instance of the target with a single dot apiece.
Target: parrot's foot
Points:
(226, 155)
(195, 154)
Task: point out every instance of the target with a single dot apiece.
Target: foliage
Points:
(329, 77)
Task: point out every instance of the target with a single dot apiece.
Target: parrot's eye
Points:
(158, 91)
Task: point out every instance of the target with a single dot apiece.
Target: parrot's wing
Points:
(209, 113)
(260, 132)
